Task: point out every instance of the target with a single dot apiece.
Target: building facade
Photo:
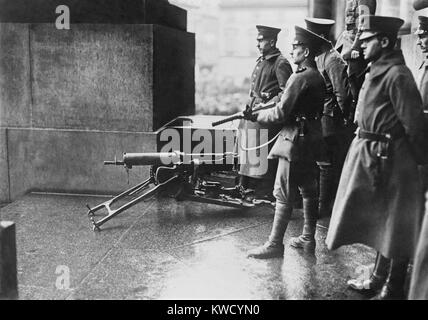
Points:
(238, 33)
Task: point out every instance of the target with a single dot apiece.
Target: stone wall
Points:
(70, 99)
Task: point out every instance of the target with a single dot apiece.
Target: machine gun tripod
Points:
(168, 169)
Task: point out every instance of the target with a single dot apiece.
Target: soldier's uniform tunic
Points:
(297, 151)
(333, 69)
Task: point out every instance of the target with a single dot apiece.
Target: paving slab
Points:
(54, 231)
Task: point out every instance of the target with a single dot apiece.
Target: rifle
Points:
(244, 114)
(167, 169)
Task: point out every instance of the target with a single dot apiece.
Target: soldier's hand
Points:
(249, 115)
(355, 54)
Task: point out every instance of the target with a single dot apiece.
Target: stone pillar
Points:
(8, 265)
(339, 16)
(71, 99)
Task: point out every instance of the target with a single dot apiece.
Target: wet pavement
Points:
(164, 249)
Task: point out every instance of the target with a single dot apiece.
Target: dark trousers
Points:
(295, 177)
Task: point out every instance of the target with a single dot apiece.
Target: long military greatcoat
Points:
(379, 203)
(269, 79)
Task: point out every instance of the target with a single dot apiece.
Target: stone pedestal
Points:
(96, 11)
(70, 99)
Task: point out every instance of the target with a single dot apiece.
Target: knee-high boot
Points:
(274, 247)
(393, 289)
(307, 238)
(327, 190)
(376, 280)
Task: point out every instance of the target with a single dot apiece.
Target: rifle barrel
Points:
(240, 115)
(228, 119)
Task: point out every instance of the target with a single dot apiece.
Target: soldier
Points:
(267, 83)
(419, 282)
(297, 147)
(379, 196)
(349, 45)
(422, 34)
(337, 109)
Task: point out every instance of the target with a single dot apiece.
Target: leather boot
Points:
(377, 278)
(326, 191)
(243, 181)
(393, 289)
(274, 247)
(307, 239)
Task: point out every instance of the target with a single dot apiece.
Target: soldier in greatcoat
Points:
(419, 280)
(297, 148)
(379, 196)
(268, 81)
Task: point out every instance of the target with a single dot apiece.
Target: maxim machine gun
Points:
(195, 176)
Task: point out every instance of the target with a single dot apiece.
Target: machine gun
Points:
(169, 169)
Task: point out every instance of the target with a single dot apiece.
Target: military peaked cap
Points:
(420, 4)
(423, 26)
(267, 32)
(308, 38)
(319, 26)
(374, 25)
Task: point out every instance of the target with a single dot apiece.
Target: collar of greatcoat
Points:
(274, 53)
(385, 62)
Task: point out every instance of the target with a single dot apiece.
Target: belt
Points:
(307, 118)
(380, 137)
